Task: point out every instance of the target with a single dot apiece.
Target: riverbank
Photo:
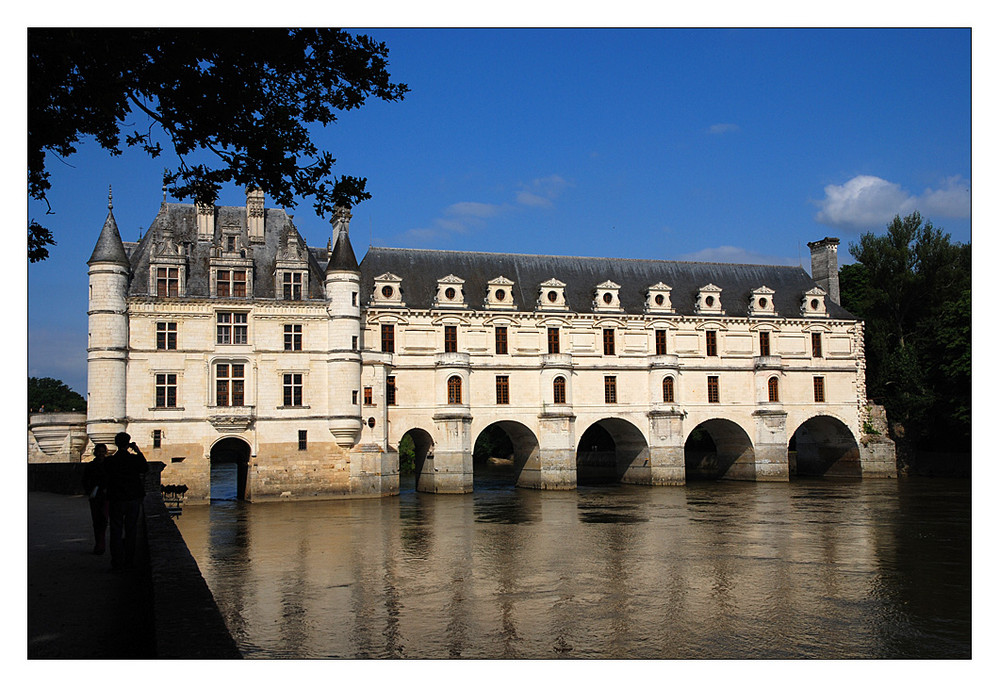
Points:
(79, 608)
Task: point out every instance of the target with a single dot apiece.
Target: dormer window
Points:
(606, 297)
(291, 285)
(762, 302)
(500, 293)
(658, 299)
(450, 293)
(709, 301)
(552, 295)
(167, 281)
(387, 291)
(231, 283)
(814, 303)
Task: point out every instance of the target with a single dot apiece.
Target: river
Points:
(721, 570)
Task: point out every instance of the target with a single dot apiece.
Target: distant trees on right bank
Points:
(913, 288)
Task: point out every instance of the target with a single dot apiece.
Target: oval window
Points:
(709, 301)
(449, 293)
(500, 294)
(607, 297)
(762, 303)
(387, 291)
(659, 299)
(815, 304)
(553, 296)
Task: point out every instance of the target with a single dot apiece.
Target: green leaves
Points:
(913, 288)
(245, 96)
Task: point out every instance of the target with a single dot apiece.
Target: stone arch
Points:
(423, 449)
(824, 446)
(612, 450)
(522, 463)
(719, 449)
(225, 452)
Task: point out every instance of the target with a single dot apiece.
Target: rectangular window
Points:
(166, 390)
(231, 283)
(501, 340)
(710, 347)
(368, 397)
(765, 343)
(302, 440)
(292, 389)
(354, 397)
(817, 340)
(231, 243)
(157, 438)
(390, 391)
(229, 384)
(553, 340)
(354, 343)
(713, 389)
(388, 339)
(291, 286)
(503, 389)
(231, 328)
(609, 342)
(661, 342)
(819, 394)
(450, 339)
(293, 337)
(610, 390)
(166, 336)
(167, 281)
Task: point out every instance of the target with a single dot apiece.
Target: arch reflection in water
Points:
(812, 568)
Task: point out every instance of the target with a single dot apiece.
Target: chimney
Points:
(255, 215)
(824, 267)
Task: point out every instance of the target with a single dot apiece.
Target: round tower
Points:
(343, 295)
(107, 338)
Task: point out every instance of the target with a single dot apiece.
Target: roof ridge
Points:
(545, 255)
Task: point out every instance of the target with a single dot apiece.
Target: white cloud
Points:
(869, 202)
(541, 192)
(735, 254)
(723, 128)
(472, 209)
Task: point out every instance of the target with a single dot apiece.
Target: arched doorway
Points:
(230, 462)
(612, 450)
(415, 446)
(501, 454)
(718, 449)
(824, 446)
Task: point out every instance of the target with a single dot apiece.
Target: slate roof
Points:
(109, 246)
(421, 269)
(181, 220)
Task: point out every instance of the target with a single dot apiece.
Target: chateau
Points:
(221, 336)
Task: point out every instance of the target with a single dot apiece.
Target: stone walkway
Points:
(78, 608)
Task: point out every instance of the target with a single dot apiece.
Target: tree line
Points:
(913, 288)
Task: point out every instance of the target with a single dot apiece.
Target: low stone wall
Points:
(187, 621)
(57, 437)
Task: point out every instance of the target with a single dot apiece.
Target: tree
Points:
(244, 96)
(54, 395)
(913, 288)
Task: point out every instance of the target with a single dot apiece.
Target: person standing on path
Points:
(124, 470)
(95, 485)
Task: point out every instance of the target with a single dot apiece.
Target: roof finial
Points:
(165, 171)
(110, 205)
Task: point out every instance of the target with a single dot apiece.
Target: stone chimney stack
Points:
(255, 215)
(824, 267)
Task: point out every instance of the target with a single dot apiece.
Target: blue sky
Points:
(720, 145)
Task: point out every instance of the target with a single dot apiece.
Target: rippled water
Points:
(812, 569)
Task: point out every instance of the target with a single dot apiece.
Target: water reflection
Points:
(711, 570)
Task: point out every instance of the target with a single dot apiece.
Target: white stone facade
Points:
(594, 368)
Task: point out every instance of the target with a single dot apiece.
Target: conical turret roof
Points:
(342, 259)
(109, 247)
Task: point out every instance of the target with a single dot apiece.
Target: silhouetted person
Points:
(124, 471)
(95, 484)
